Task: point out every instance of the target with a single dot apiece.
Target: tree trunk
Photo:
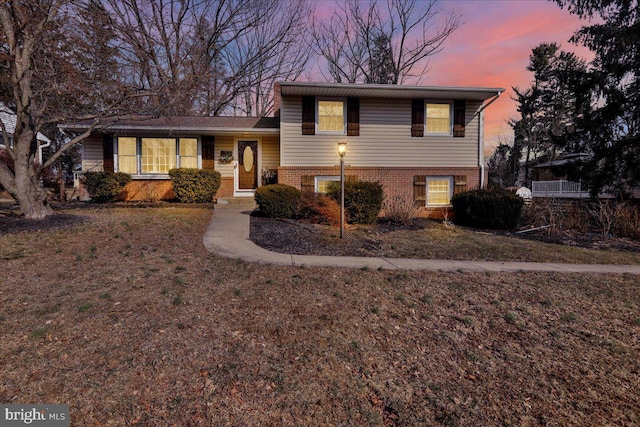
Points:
(29, 194)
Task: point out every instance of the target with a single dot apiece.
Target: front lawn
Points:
(124, 316)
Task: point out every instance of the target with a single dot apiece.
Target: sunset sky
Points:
(492, 47)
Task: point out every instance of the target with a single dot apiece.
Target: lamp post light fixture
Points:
(342, 150)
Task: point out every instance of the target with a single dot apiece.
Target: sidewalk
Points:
(228, 236)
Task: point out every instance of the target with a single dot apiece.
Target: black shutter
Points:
(353, 116)
(208, 152)
(458, 118)
(308, 115)
(417, 117)
(107, 153)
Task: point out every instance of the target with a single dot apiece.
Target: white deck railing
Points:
(560, 189)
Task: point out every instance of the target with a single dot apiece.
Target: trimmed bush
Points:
(278, 200)
(493, 209)
(317, 208)
(362, 200)
(105, 186)
(195, 185)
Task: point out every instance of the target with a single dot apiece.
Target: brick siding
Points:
(395, 180)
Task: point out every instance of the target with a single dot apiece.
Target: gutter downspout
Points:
(480, 112)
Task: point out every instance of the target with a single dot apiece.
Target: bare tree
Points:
(54, 74)
(382, 45)
(207, 57)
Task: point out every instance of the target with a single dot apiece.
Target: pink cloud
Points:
(492, 49)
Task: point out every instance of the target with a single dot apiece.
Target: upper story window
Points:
(155, 156)
(331, 116)
(438, 118)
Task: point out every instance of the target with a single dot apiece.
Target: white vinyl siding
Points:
(92, 155)
(385, 139)
(223, 143)
(270, 153)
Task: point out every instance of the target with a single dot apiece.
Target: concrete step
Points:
(247, 203)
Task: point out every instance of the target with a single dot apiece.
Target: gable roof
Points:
(388, 91)
(201, 124)
(8, 117)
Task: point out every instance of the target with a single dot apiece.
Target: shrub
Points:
(278, 200)
(362, 200)
(195, 185)
(399, 208)
(627, 222)
(493, 209)
(106, 186)
(319, 209)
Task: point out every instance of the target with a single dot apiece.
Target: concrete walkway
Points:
(228, 236)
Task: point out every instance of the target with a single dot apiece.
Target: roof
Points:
(200, 124)
(388, 91)
(8, 117)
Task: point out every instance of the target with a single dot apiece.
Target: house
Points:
(8, 118)
(423, 141)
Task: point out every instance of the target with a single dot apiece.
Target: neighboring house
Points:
(425, 142)
(550, 180)
(8, 117)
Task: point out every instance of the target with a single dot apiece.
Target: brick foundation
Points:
(395, 180)
(226, 187)
(149, 190)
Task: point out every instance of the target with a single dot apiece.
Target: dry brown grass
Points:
(129, 320)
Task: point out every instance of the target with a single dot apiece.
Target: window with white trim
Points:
(155, 156)
(128, 155)
(438, 118)
(331, 116)
(439, 190)
(188, 152)
(322, 183)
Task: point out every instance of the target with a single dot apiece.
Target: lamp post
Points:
(342, 150)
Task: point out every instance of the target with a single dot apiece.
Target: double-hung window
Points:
(188, 152)
(331, 116)
(438, 118)
(127, 155)
(323, 183)
(155, 156)
(439, 190)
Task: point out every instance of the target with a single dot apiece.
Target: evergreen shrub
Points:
(493, 209)
(106, 186)
(362, 200)
(194, 185)
(278, 200)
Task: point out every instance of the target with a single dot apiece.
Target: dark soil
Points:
(382, 239)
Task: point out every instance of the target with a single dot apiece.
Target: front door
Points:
(247, 165)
